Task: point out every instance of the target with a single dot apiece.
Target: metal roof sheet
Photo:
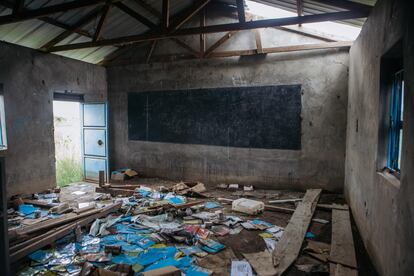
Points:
(35, 33)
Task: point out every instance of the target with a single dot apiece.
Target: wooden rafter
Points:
(216, 29)
(299, 8)
(49, 20)
(258, 38)
(218, 43)
(78, 25)
(202, 36)
(165, 14)
(48, 10)
(149, 8)
(142, 19)
(238, 53)
(240, 11)
(186, 46)
(151, 50)
(187, 15)
(18, 7)
(104, 16)
(284, 49)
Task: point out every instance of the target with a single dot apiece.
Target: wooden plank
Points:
(151, 50)
(289, 200)
(261, 263)
(165, 14)
(77, 26)
(188, 14)
(140, 18)
(186, 46)
(96, 36)
(279, 209)
(218, 43)
(264, 23)
(240, 11)
(259, 47)
(289, 246)
(50, 223)
(149, 8)
(342, 244)
(115, 191)
(332, 206)
(61, 232)
(39, 203)
(202, 36)
(340, 270)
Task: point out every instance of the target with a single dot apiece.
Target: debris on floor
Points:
(157, 230)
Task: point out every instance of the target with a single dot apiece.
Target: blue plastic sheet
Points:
(212, 205)
(27, 209)
(176, 200)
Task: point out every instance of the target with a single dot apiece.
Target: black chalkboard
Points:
(254, 117)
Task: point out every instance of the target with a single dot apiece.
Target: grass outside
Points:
(68, 171)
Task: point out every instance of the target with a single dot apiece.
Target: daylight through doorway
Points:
(66, 117)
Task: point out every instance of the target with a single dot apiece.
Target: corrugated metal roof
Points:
(35, 33)
(313, 7)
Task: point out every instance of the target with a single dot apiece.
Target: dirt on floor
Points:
(250, 241)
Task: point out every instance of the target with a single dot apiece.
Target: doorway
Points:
(68, 142)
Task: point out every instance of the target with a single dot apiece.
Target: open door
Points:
(94, 140)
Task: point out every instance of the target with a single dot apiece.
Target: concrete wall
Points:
(382, 205)
(323, 75)
(29, 79)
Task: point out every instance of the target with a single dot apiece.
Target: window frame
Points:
(396, 122)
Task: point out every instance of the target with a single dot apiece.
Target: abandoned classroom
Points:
(207, 137)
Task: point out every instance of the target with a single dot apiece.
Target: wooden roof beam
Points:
(78, 25)
(165, 14)
(49, 20)
(240, 11)
(149, 8)
(188, 14)
(186, 46)
(216, 29)
(104, 16)
(142, 19)
(218, 43)
(48, 10)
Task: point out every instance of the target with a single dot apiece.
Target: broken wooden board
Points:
(279, 209)
(342, 253)
(51, 223)
(261, 263)
(115, 191)
(40, 203)
(332, 206)
(60, 232)
(288, 248)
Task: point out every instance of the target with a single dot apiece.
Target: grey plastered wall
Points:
(323, 75)
(382, 206)
(29, 79)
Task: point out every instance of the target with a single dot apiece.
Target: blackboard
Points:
(266, 117)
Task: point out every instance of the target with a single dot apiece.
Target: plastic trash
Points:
(248, 206)
(241, 268)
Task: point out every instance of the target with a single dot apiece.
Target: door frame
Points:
(106, 128)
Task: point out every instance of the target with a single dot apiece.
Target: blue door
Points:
(94, 140)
